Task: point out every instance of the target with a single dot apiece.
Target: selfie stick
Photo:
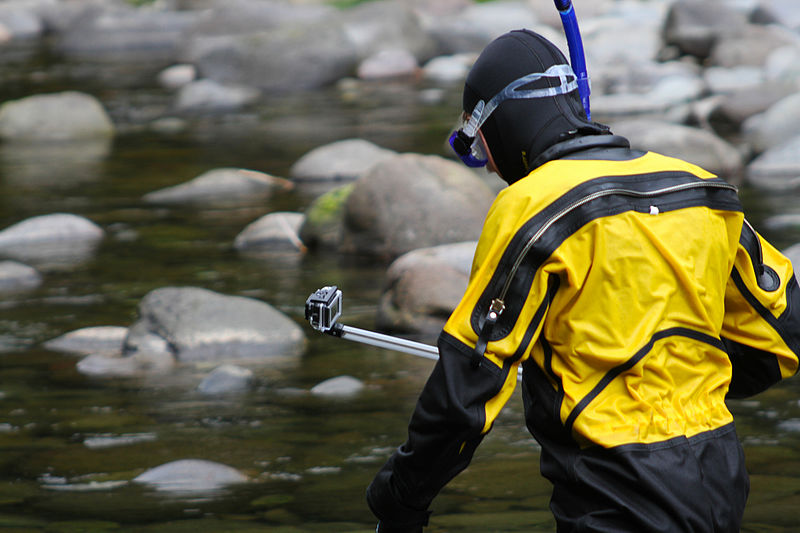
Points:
(576, 56)
(323, 309)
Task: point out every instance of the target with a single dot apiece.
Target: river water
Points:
(70, 444)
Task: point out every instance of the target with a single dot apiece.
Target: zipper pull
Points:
(495, 310)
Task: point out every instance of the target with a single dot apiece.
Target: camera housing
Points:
(324, 307)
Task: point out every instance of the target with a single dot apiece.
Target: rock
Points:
(323, 225)
(18, 277)
(733, 110)
(274, 232)
(108, 366)
(339, 386)
(388, 63)
(386, 25)
(51, 240)
(785, 12)
(412, 201)
(423, 287)
(345, 160)
(96, 339)
(54, 117)
(121, 33)
(694, 27)
(448, 69)
(750, 46)
(783, 64)
(695, 145)
(227, 379)
(209, 95)
(20, 21)
(53, 164)
(200, 325)
(775, 125)
(190, 476)
(777, 169)
(281, 59)
(177, 76)
(221, 186)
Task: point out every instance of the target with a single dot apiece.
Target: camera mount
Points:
(323, 309)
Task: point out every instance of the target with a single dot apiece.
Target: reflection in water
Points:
(53, 164)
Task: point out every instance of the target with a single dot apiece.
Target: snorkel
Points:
(576, 56)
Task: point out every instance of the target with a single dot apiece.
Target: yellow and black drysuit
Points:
(635, 298)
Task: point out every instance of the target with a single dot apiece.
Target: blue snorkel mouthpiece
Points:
(576, 55)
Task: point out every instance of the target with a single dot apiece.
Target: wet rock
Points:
(201, 325)
(323, 226)
(18, 277)
(345, 160)
(777, 169)
(54, 117)
(388, 63)
(695, 145)
(209, 95)
(274, 232)
(775, 126)
(423, 287)
(191, 475)
(96, 339)
(58, 239)
(227, 379)
(339, 386)
(221, 186)
(412, 201)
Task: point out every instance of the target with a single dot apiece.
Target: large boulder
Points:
(777, 169)
(412, 201)
(695, 145)
(775, 126)
(54, 117)
(695, 27)
(201, 325)
(423, 287)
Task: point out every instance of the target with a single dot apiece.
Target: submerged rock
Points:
(227, 379)
(191, 475)
(221, 186)
(338, 386)
(97, 339)
(51, 240)
(18, 277)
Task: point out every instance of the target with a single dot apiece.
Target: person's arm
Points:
(761, 329)
(459, 402)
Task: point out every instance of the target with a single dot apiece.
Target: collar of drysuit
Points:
(577, 144)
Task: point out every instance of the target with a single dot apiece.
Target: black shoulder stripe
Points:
(716, 198)
(766, 277)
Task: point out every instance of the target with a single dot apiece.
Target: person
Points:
(633, 294)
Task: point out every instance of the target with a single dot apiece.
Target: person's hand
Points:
(383, 527)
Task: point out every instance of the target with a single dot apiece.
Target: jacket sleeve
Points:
(761, 328)
(455, 409)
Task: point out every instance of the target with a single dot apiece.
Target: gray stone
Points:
(339, 386)
(227, 379)
(95, 339)
(388, 63)
(345, 160)
(751, 46)
(775, 126)
(191, 476)
(274, 232)
(200, 325)
(777, 169)
(54, 117)
(412, 201)
(18, 277)
(177, 76)
(423, 287)
(695, 27)
(209, 95)
(221, 186)
(694, 145)
(47, 240)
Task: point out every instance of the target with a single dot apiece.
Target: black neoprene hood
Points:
(519, 130)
